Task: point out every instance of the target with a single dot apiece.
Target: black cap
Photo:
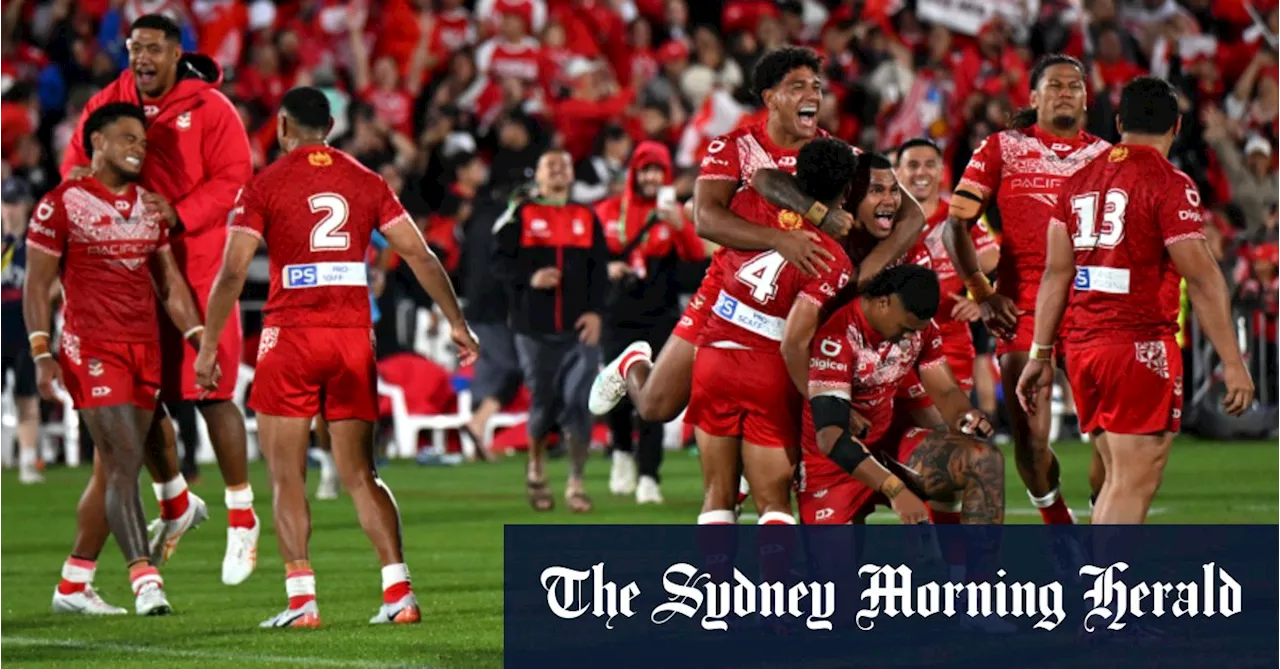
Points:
(15, 190)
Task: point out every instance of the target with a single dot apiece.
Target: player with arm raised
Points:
(316, 209)
(112, 254)
(789, 85)
(1127, 228)
(860, 357)
(763, 320)
(1021, 170)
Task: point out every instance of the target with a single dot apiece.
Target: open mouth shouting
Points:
(884, 218)
(807, 116)
(146, 75)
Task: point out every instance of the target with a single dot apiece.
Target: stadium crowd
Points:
(453, 102)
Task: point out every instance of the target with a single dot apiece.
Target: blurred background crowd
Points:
(454, 100)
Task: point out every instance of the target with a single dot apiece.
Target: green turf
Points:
(453, 521)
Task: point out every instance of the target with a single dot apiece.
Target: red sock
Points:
(1057, 513)
(143, 574)
(76, 575)
(396, 592)
(300, 585)
(625, 364)
(173, 508)
(241, 518)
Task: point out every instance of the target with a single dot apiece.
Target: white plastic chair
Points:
(240, 395)
(406, 427)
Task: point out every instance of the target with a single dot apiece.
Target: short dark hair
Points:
(825, 168)
(916, 142)
(106, 115)
(1043, 65)
(1149, 105)
(172, 31)
(307, 106)
(916, 286)
(776, 65)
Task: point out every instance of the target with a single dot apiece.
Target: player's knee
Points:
(980, 454)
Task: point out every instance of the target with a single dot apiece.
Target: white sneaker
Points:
(242, 552)
(328, 488)
(307, 615)
(29, 474)
(165, 534)
(622, 476)
(150, 600)
(610, 386)
(648, 492)
(402, 612)
(86, 601)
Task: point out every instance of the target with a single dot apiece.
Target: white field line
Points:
(294, 660)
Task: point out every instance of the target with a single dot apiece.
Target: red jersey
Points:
(105, 242)
(852, 361)
(1122, 212)
(498, 59)
(454, 30)
(949, 280)
(394, 107)
(759, 287)
(316, 208)
(1024, 170)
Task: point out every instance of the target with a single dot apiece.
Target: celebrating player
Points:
(763, 320)
(1126, 229)
(788, 83)
(920, 173)
(316, 209)
(99, 236)
(199, 160)
(1022, 171)
(860, 356)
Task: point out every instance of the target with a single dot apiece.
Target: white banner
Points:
(968, 16)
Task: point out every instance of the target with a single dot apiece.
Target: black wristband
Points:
(828, 411)
(847, 454)
(967, 195)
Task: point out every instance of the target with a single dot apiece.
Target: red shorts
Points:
(826, 495)
(102, 374)
(748, 394)
(1127, 388)
(179, 381)
(911, 394)
(960, 354)
(695, 314)
(304, 371)
(1023, 335)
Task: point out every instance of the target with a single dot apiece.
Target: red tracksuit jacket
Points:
(197, 157)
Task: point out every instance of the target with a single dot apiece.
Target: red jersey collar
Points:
(1048, 139)
(100, 190)
(869, 334)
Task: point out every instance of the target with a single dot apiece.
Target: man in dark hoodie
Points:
(198, 159)
(646, 238)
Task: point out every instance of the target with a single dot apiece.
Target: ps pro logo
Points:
(300, 276)
(1082, 278)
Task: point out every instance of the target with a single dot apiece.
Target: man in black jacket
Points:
(551, 255)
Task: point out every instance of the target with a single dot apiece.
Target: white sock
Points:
(776, 518)
(171, 488)
(393, 574)
(240, 499)
(1044, 502)
(27, 457)
(717, 517)
(300, 584)
(78, 573)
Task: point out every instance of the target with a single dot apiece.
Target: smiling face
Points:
(876, 210)
(555, 173)
(122, 146)
(795, 100)
(920, 170)
(153, 60)
(1059, 98)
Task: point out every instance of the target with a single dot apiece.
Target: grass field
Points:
(453, 520)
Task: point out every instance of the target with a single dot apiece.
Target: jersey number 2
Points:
(761, 273)
(325, 236)
(1088, 234)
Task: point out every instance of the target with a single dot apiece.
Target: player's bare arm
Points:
(406, 240)
(948, 464)
(222, 299)
(908, 222)
(1051, 301)
(176, 296)
(715, 222)
(831, 414)
(967, 205)
(1208, 293)
(37, 312)
(782, 189)
(952, 402)
(797, 336)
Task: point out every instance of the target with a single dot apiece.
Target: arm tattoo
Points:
(951, 465)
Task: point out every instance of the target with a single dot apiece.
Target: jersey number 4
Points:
(326, 235)
(761, 273)
(1088, 233)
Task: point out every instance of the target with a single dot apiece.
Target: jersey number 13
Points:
(1091, 233)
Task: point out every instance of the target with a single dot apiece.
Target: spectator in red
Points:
(532, 13)
(262, 81)
(642, 63)
(595, 101)
(992, 66)
(512, 54)
(392, 101)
